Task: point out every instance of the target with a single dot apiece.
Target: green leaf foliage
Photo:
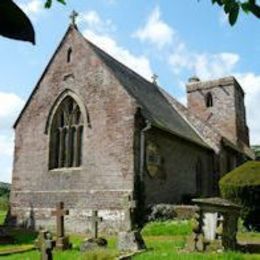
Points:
(48, 3)
(232, 8)
(242, 186)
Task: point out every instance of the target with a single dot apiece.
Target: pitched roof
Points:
(155, 106)
(208, 133)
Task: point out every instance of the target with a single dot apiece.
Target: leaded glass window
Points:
(66, 135)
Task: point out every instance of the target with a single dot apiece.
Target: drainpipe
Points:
(142, 148)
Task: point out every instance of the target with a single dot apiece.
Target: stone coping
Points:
(217, 202)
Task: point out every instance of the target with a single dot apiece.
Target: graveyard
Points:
(165, 239)
(114, 159)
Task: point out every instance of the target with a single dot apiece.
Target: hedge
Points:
(242, 186)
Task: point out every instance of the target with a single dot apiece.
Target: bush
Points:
(4, 189)
(4, 203)
(242, 186)
(162, 212)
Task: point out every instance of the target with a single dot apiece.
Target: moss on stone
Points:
(242, 186)
(247, 174)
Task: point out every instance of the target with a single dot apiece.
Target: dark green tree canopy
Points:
(233, 7)
(15, 24)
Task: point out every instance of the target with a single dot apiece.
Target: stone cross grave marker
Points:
(130, 205)
(95, 220)
(45, 244)
(62, 241)
(59, 213)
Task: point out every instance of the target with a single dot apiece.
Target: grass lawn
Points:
(165, 240)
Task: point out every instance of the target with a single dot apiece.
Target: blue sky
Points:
(174, 39)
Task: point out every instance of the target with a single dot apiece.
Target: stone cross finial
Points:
(95, 220)
(73, 17)
(154, 79)
(45, 244)
(59, 213)
(129, 205)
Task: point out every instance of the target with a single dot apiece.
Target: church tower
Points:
(221, 104)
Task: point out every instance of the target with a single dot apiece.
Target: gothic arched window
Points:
(199, 174)
(209, 100)
(66, 135)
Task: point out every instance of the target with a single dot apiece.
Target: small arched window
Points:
(209, 100)
(66, 135)
(199, 174)
(69, 54)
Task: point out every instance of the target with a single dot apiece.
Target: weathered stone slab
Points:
(130, 241)
(92, 244)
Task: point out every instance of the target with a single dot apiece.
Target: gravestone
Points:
(95, 220)
(45, 245)
(131, 239)
(210, 225)
(30, 222)
(215, 225)
(95, 241)
(62, 241)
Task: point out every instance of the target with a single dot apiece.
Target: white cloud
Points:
(32, 7)
(217, 65)
(251, 85)
(155, 31)
(10, 106)
(94, 22)
(180, 58)
(6, 145)
(203, 65)
(223, 18)
(97, 31)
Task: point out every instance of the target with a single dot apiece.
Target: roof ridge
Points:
(127, 73)
(115, 60)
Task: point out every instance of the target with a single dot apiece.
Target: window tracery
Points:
(66, 135)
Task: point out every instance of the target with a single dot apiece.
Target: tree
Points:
(233, 7)
(15, 24)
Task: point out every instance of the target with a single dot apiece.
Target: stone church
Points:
(94, 132)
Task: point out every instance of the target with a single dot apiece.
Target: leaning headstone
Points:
(45, 245)
(62, 241)
(30, 223)
(95, 241)
(130, 240)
